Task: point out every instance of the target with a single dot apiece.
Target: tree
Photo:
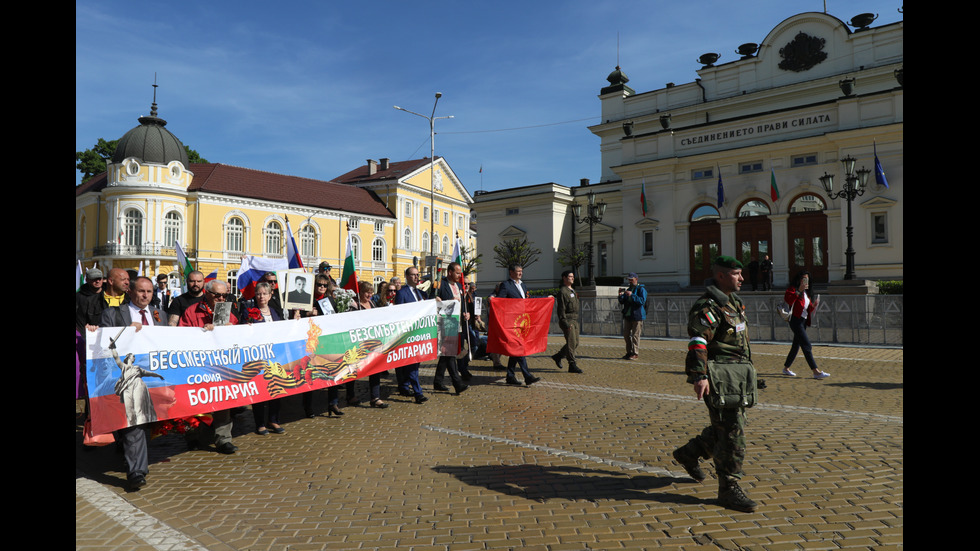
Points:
(515, 251)
(573, 257)
(471, 263)
(93, 161)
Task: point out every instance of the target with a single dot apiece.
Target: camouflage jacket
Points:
(718, 330)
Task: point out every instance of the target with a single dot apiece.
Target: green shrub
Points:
(891, 287)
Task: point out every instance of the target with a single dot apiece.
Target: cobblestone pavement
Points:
(573, 462)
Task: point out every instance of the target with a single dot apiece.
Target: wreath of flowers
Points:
(181, 425)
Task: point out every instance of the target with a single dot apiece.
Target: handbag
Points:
(785, 312)
(732, 384)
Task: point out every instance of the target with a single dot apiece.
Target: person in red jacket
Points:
(798, 297)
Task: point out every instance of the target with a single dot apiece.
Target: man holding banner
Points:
(137, 313)
(451, 290)
(513, 288)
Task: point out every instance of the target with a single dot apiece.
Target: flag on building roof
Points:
(643, 196)
(721, 190)
(183, 261)
(773, 190)
(292, 253)
(879, 172)
(348, 278)
(253, 268)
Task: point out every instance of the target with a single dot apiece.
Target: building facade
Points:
(430, 204)
(732, 164)
(151, 198)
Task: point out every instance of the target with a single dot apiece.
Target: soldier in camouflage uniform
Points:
(717, 326)
(568, 308)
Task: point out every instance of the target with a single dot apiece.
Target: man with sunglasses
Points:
(202, 315)
(89, 302)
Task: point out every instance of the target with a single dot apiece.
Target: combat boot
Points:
(689, 460)
(732, 497)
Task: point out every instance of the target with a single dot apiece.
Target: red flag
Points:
(519, 327)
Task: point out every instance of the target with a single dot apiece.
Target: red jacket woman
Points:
(798, 297)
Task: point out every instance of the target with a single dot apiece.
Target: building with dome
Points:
(151, 198)
(736, 163)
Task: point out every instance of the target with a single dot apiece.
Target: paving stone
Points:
(573, 462)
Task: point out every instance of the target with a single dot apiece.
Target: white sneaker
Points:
(787, 372)
(821, 375)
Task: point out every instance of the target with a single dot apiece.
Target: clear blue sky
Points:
(307, 88)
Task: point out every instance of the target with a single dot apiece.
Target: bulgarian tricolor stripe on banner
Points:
(773, 190)
(519, 327)
(348, 278)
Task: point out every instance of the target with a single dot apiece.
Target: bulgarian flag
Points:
(185, 264)
(348, 279)
(773, 190)
(643, 196)
(519, 327)
(79, 276)
(457, 252)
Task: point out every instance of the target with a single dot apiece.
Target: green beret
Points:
(727, 262)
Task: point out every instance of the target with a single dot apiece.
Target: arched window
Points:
(171, 228)
(235, 235)
(807, 203)
(273, 238)
(356, 250)
(705, 212)
(378, 250)
(425, 242)
(408, 239)
(445, 244)
(307, 240)
(753, 207)
(133, 227)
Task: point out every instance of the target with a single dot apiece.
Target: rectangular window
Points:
(648, 243)
(803, 160)
(754, 166)
(425, 213)
(445, 218)
(513, 211)
(354, 223)
(879, 228)
(818, 251)
(703, 173)
(379, 227)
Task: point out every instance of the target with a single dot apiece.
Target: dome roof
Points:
(150, 142)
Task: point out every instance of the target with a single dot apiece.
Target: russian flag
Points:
(292, 253)
(211, 276)
(252, 270)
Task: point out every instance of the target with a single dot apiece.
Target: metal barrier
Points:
(839, 319)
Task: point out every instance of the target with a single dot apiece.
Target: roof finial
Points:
(153, 108)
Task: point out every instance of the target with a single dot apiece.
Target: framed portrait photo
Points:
(299, 291)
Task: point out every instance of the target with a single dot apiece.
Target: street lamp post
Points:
(854, 187)
(593, 217)
(432, 178)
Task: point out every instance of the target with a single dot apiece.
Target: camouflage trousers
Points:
(723, 440)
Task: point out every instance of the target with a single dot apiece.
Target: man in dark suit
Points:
(515, 288)
(162, 295)
(452, 289)
(137, 311)
(408, 375)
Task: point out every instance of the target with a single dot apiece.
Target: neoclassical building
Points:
(151, 198)
(787, 111)
(430, 204)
